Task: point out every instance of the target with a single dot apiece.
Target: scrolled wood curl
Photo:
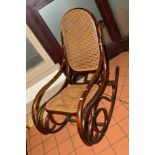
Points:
(89, 128)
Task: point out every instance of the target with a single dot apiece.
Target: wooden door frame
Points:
(119, 44)
(51, 45)
(41, 30)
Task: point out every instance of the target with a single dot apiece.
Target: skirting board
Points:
(115, 48)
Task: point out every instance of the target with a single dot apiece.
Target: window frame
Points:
(44, 68)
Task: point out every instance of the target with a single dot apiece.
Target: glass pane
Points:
(32, 56)
(54, 11)
(120, 9)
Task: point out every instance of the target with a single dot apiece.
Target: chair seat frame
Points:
(89, 128)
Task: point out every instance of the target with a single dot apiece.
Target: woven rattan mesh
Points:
(80, 40)
(67, 100)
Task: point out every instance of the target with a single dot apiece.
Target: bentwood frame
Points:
(89, 128)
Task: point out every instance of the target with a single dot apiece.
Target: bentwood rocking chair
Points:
(84, 54)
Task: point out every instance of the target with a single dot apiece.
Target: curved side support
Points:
(47, 125)
(90, 130)
(86, 115)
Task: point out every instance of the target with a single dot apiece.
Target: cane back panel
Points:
(80, 40)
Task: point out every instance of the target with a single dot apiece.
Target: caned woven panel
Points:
(80, 40)
(67, 100)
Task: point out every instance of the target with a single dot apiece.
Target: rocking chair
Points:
(84, 54)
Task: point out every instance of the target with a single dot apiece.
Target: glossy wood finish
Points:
(86, 116)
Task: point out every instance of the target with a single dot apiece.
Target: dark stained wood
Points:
(86, 116)
(115, 48)
(43, 33)
(112, 50)
(38, 4)
(109, 19)
(124, 44)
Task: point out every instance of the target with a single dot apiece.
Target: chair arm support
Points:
(36, 102)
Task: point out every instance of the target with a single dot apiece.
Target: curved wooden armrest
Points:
(42, 91)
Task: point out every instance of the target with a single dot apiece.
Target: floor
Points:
(68, 142)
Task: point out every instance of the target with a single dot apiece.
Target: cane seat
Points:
(66, 102)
